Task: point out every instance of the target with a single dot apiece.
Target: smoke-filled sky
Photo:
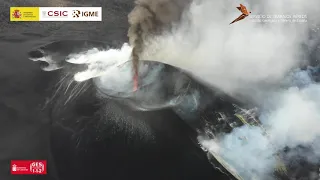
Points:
(237, 56)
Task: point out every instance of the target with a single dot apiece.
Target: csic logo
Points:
(78, 13)
(16, 14)
(55, 13)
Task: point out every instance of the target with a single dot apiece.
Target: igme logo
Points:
(78, 13)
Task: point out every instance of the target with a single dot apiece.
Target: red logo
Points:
(35, 167)
(16, 14)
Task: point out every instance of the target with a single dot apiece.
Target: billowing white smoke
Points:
(111, 71)
(100, 62)
(290, 116)
(238, 57)
(252, 60)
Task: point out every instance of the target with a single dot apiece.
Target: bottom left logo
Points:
(29, 167)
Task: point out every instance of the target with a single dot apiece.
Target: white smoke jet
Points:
(111, 71)
(100, 62)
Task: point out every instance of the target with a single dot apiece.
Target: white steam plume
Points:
(100, 62)
(290, 116)
(237, 57)
(248, 59)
